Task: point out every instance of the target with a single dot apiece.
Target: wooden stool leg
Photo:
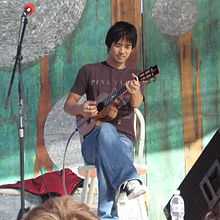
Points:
(91, 193)
(85, 190)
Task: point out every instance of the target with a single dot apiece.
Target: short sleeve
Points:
(81, 83)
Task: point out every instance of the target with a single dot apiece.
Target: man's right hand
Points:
(89, 109)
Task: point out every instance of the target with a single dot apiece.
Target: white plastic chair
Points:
(89, 171)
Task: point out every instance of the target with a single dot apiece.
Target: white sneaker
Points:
(134, 188)
(123, 198)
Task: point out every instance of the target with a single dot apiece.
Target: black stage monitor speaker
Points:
(200, 188)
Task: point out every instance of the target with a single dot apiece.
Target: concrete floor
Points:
(10, 203)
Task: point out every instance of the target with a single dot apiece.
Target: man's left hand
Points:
(133, 86)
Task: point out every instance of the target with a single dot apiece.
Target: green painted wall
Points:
(206, 35)
(164, 120)
(9, 144)
(85, 45)
(165, 158)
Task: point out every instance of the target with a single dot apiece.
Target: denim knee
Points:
(108, 131)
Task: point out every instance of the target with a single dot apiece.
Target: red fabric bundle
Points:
(49, 183)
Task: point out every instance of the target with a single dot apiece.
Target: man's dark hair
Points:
(121, 30)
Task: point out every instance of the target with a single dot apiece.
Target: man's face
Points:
(120, 51)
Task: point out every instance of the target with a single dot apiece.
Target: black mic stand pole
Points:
(21, 132)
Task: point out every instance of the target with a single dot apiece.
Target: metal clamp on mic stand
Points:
(21, 132)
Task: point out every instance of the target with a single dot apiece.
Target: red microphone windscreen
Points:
(29, 8)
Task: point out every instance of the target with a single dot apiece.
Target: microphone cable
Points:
(65, 151)
(64, 158)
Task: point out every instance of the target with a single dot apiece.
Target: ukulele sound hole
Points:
(100, 106)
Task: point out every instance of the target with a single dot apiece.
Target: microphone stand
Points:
(21, 132)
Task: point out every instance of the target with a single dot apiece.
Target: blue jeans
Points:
(112, 154)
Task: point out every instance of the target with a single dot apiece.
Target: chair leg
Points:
(85, 189)
(142, 207)
(91, 192)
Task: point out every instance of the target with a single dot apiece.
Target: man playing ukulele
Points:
(109, 144)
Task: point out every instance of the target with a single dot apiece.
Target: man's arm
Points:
(134, 88)
(136, 99)
(71, 105)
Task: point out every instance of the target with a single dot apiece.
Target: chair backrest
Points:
(139, 129)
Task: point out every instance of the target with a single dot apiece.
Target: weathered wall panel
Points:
(130, 10)
(45, 83)
(190, 79)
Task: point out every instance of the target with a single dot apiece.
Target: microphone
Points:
(29, 9)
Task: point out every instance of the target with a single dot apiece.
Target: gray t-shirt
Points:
(97, 79)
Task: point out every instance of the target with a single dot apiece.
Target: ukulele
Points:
(86, 125)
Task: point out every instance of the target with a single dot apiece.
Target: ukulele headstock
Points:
(149, 74)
